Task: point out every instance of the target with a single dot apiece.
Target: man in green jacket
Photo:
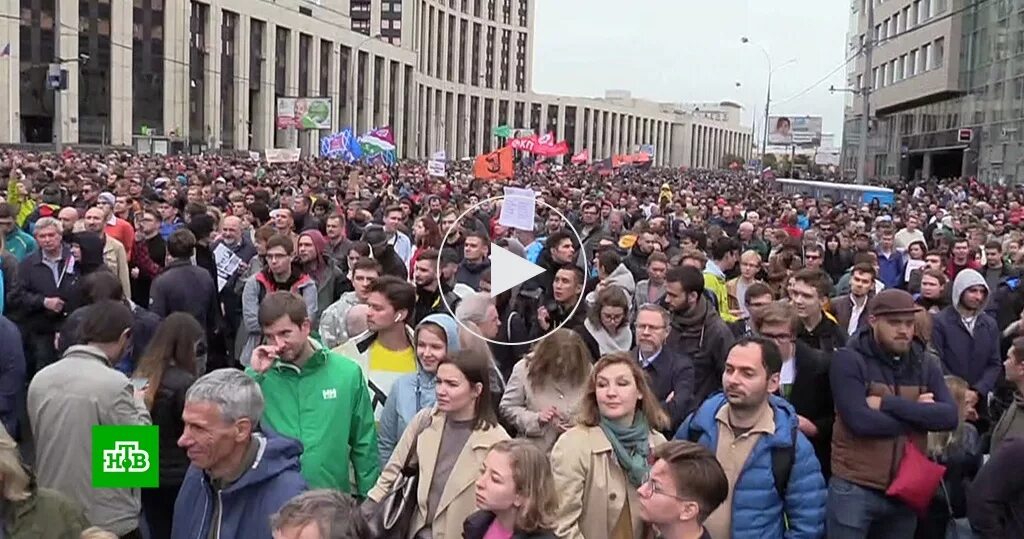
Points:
(315, 396)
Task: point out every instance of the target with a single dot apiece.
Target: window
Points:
(874, 78)
(905, 17)
(892, 72)
(912, 63)
(860, 82)
(938, 7)
(878, 32)
(894, 28)
(898, 75)
(915, 12)
(939, 52)
(926, 58)
(925, 10)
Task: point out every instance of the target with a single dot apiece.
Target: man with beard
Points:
(590, 228)
(967, 339)
(114, 253)
(636, 261)
(302, 211)
(754, 435)
(429, 288)
(887, 393)
(474, 261)
(850, 309)
(335, 422)
(455, 241)
(697, 330)
(337, 244)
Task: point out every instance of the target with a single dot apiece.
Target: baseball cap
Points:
(892, 301)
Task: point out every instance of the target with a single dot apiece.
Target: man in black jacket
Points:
(185, 287)
(45, 293)
(697, 330)
(808, 291)
(670, 370)
(803, 380)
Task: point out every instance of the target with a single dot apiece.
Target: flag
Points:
(341, 145)
(502, 131)
(6, 52)
(604, 167)
(380, 143)
(496, 165)
(544, 146)
(581, 158)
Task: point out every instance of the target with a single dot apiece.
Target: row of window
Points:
(930, 56)
(907, 19)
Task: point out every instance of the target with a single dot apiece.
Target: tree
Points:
(769, 160)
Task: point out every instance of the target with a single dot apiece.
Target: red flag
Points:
(581, 158)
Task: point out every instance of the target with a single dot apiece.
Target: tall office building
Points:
(207, 74)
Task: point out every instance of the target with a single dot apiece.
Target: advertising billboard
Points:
(794, 131)
(303, 113)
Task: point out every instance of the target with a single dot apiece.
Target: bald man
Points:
(355, 319)
(114, 253)
(69, 218)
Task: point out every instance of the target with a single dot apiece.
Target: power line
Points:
(821, 80)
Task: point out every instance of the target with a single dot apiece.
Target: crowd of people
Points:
(703, 356)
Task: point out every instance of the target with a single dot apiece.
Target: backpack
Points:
(782, 462)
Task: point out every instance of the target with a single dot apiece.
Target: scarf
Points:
(631, 446)
(608, 343)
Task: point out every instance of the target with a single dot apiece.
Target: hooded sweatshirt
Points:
(412, 392)
(969, 347)
(91, 246)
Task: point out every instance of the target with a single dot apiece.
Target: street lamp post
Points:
(356, 101)
(768, 97)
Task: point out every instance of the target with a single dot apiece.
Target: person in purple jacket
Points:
(887, 389)
(968, 339)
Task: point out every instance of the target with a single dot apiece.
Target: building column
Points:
(241, 83)
(69, 51)
(121, 90)
(399, 107)
(598, 150)
(309, 140)
(264, 128)
(353, 85)
(211, 78)
(480, 128)
(559, 122)
(926, 165)
(291, 85)
(176, 62)
(421, 122)
(10, 72)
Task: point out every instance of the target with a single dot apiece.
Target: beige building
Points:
(207, 73)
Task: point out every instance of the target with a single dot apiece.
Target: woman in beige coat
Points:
(599, 464)
(546, 387)
(452, 441)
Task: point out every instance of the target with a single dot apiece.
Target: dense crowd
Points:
(319, 346)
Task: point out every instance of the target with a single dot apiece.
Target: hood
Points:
(966, 279)
(785, 419)
(476, 268)
(275, 455)
(91, 246)
(712, 267)
(622, 278)
(448, 325)
(319, 243)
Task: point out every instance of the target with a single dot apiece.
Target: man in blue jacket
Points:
(967, 340)
(238, 476)
(775, 485)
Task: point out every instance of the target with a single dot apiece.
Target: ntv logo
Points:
(126, 457)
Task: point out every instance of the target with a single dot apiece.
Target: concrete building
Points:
(948, 94)
(207, 73)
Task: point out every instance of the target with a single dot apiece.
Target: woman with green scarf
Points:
(599, 464)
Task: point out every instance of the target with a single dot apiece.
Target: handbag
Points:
(917, 478)
(391, 517)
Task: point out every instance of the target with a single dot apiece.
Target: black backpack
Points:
(782, 462)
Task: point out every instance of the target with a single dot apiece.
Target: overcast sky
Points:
(690, 50)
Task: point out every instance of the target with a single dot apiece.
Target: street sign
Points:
(965, 134)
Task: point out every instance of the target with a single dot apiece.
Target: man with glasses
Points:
(669, 369)
(686, 484)
(775, 485)
(803, 380)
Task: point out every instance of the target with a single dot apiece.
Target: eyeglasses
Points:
(653, 488)
(649, 327)
(613, 316)
(778, 337)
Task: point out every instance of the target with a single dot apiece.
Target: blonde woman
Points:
(958, 450)
(600, 463)
(546, 387)
(31, 511)
(515, 493)
(451, 441)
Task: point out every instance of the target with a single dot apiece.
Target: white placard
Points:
(437, 168)
(255, 156)
(227, 264)
(283, 155)
(518, 208)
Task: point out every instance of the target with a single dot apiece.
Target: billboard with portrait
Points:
(794, 131)
(303, 113)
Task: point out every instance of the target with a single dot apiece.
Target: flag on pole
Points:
(496, 165)
(502, 131)
(379, 142)
(582, 158)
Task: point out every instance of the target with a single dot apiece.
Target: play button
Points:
(508, 270)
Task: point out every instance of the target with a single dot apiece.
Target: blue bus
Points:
(849, 193)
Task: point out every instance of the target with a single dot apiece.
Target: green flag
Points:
(502, 131)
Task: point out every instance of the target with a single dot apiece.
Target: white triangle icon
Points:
(508, 270)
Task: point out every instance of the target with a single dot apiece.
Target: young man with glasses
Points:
(685, 485)
(669, 369)
(803, 379)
